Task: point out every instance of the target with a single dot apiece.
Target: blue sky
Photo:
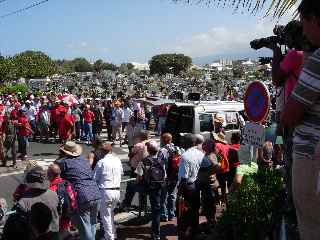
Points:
(126, 30)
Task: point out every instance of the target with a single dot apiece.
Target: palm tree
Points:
(275, 8)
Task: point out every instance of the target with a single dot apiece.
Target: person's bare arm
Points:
(90, 158)
(293, 113)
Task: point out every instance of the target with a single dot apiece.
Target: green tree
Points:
(7, 69)
(98, 66)
(276, 8)
(33, 64)
(64, 66)
(169, 63)
(82, 65)
(110, 66)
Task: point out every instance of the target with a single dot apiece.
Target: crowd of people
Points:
(54, 118)
(179, 180)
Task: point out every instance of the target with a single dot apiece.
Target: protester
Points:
(78, 121)
(40, 219)
(107, 174)
(88, 117)
(107, 113)
(301, 113)
(66, 196)
(44, 122)
(38, 192)
(117, 123)
(127, 113)
(31, 114)
(98, 153)
(24, 131)
(171, 156)
(66, 126)
(10, 131)
(77, 170)
(138, 153)
(151, 172)
(97, 121)
(208, 182)
(188, 173)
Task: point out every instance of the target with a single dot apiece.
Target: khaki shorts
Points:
(306, 195)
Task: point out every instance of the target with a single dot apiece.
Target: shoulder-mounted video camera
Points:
(278, 38)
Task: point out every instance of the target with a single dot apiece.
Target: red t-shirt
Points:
(222, 151)
(65, 126)
(23, 128)
(14, 114)
(65, 223)
(88, 116)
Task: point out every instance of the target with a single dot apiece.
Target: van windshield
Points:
(206, 121)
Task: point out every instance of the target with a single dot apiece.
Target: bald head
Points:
(53, 171)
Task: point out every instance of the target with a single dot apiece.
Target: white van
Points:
(186, 118)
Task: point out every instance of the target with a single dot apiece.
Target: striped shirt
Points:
(307, 92)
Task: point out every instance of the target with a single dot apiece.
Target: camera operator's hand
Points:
(273, 46)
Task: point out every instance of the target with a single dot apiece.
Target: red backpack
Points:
(173, 163)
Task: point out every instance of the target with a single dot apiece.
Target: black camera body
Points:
(278, 38)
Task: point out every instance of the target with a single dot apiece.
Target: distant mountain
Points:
(231, 56)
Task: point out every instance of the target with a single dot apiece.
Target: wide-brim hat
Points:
(220, 137)
(72, 149)
(219, 118)
(36, 178)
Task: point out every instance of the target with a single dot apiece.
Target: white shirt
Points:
(126, 114)
(108, 171)
(190, 164)
(30, 112)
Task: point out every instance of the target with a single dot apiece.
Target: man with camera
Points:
(302, 112)
(285, 71)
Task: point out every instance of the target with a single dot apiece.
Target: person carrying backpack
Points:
(66, 196)
(171, 155)
(151, 172)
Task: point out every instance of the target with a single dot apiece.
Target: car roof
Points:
(215, 106)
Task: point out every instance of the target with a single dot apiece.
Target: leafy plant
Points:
(253, 210)
(276, 8)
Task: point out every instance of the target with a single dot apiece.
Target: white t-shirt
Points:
(127, 112)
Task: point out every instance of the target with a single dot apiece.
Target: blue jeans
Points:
(85, 219)
(155, 196)
(22, 145)
(88, 131)
(168, 200)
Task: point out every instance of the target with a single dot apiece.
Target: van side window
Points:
(186, 119)
(206, 122)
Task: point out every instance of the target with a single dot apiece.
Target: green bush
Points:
(253, 210)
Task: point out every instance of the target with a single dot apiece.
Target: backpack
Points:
(154, 172)
(173, 162)
(67, 201)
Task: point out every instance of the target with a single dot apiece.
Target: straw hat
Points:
(219, 118)
(220, 137)
(72, 149)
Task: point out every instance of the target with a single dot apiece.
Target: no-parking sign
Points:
(257, 102)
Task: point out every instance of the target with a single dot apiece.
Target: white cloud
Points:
(223, 40)
(83, 44)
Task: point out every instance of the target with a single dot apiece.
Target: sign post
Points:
(256, 105)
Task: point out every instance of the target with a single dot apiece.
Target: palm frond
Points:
(275, 8)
